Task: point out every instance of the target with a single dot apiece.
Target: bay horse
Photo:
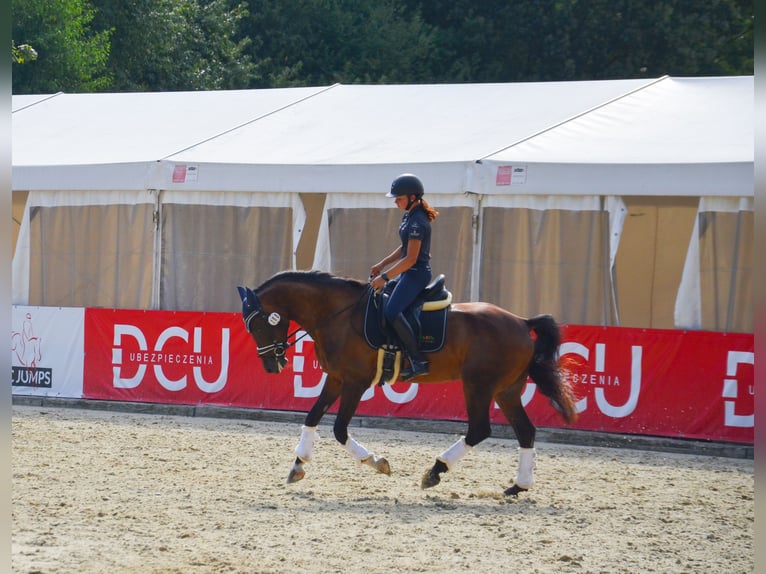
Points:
(490, 350)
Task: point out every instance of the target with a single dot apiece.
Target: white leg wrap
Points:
(305, 448)
(358, 451)
(525, 477)
(453, 454)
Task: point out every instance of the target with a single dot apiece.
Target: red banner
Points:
(671, 383)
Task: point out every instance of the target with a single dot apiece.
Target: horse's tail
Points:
(545, 368)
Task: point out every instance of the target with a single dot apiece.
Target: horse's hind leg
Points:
(477, 401)
(509, 402)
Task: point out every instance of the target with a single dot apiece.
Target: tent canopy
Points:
(569, 137)
(672, 137)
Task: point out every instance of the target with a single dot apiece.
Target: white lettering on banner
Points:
(300, 391)
(131, 331)
(157, 358)
(635, 389)
(395, 396)
(605, 380)
(731, 389)
(529, 392)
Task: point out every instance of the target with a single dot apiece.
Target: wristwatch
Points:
(384, 276)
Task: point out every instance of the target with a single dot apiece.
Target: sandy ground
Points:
(106, 492)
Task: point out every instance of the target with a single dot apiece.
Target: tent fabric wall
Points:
(115, 250)
(650, 259)
(85, 249)
(549, 255)
(716, 290)
(358, 230)
(211, 242)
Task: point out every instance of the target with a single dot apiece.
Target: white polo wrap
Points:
(358, 451)
(525, 476)
(453, 454)
(305, 448)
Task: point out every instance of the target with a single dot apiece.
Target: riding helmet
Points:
(406, 184)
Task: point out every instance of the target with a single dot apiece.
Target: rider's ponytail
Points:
(430, 211)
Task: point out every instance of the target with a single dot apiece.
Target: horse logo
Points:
(25, 346)
(26, 356)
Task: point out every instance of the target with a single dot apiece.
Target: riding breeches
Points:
(408, 287)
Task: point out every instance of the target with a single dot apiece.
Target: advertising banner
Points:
(47, 351)
(671, 383)
(169, 357)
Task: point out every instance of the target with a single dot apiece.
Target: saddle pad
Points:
(433, 328)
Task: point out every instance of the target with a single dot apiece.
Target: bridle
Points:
(279, 348)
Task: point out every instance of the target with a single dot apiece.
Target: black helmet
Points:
(406, 184)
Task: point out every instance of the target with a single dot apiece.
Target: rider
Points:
(411, 260)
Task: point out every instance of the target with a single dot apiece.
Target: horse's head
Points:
(268, 330)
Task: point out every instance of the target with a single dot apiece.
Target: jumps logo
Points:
(26, 355)
(158, 358)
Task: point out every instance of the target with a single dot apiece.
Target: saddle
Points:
(427, 315)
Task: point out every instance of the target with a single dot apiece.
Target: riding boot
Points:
(418, 364)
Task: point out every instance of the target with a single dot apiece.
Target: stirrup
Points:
(416, 369)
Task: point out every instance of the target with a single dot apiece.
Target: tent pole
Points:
(157, 250)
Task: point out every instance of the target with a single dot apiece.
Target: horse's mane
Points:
(313, 277)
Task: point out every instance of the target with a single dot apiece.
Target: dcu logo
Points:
(26, 356)
(187, 357)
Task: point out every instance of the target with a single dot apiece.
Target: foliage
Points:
(316, 42)
(154, 45)
(554, 40)
(71, 56)
(167, 45)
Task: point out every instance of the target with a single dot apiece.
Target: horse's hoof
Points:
(378, 463)
(296, 473)
(382, 466)
(514, 490)
(430, 478)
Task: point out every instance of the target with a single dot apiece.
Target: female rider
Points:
(411, 260)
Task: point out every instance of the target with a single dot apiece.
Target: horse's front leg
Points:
(309, 436)
(349, 401)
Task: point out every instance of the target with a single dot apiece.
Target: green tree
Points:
(71, 56)
(167, 45)
(547, 40)
(316, 42)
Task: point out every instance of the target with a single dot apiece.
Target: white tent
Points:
(675, 136)
(117, 141)
(526, 176)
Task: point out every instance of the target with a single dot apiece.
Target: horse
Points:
(489, 350)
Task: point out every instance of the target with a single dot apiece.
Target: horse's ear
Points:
(252, 299)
